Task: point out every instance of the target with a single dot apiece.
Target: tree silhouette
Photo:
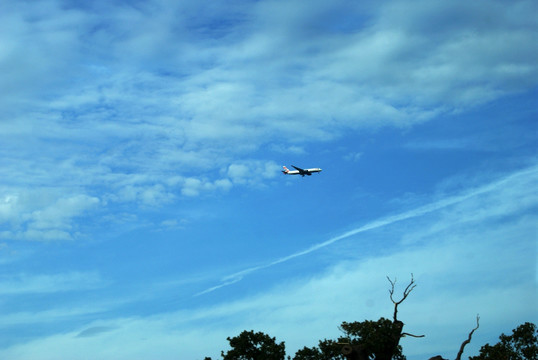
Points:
(366, 339)
(326, 350)
(521, 345)
(378, 340)
(254, 346)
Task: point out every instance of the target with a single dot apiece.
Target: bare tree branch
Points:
(416, 336)
(406, 292)
(469, 339)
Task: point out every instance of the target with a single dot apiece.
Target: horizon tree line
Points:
(378, 340)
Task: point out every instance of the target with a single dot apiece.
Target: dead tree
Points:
(463, 344)
(390, 338)
(397, 325)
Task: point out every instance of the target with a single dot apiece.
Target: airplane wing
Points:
(296, 168)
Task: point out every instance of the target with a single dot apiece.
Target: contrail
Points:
(422, 210)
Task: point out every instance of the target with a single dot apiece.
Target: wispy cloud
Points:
(41, 214)
(95, 330)
(522, 181)
(39, 284)
(456, 270)
(50, 316)
(347, 291)
(138, 113)
(150, 122)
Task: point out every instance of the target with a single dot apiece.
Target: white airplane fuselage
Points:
(300, 171)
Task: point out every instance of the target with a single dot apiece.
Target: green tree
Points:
(307, 353)
(379, 339)
(326, 350)
(366, 339)
(254, 346)
(521, 345)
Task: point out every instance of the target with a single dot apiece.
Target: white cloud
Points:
(100, 110)
(193, 186)
(146, 194)
(252, 172)
(8, 205)
(42, 214)
(119, 109)
(480, 204)
(303, 311)
(291, 149)
(354, 156)
(238, 172)
(28, 318)
(58, 214)
(459, 242)
(39, 284)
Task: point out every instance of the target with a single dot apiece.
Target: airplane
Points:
(299, 171)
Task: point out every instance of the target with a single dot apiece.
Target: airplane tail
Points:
(285, 171)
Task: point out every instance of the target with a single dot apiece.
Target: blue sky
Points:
(143, 213)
